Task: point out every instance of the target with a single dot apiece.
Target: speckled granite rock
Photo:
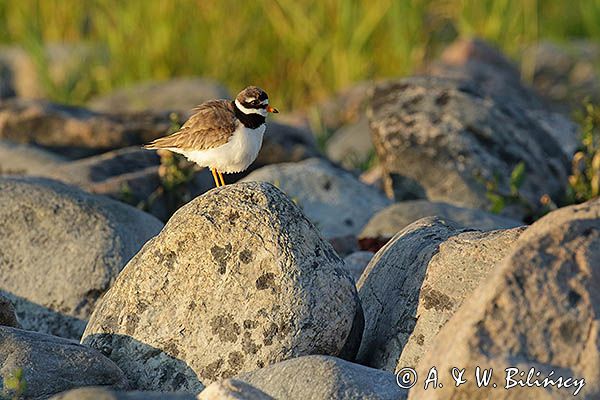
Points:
(238, 279)
(537, 309)
(450, 138)
(434, 265)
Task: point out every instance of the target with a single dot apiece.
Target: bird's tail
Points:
(160, 143)
(153, 145)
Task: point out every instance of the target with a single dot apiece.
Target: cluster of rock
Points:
(301, 280)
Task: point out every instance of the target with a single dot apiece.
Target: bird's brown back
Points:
(211, 125)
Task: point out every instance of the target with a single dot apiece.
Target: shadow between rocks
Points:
(390, 293)
(146, 367)
(38, 318)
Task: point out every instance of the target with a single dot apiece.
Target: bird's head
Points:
(254, 100)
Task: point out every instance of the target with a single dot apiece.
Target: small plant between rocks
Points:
(583, 183)
(14, 385)
(175, 173)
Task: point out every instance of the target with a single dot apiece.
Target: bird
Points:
(223, 135)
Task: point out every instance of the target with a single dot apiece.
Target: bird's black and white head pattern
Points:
(251, 106)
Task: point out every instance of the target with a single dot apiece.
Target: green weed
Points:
(584, 181)
(14, 385)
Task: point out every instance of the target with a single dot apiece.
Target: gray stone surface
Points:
(76, 132)
(497, 77)
(285, 143)
(238, 279)
(23, 159)
(392, 219)
(51, 365)
(61, 248)
(460, 265)
(389, 289)
(417, 281)
(232, 389)
(321, 377)
(450, 138)
(479, 61)
(345, 107)
(538, 308)
(351, 145)
(133, 175)
(333, 199)
(179, 94)
(357, 262)
(565, 73)
(102, 393)
(7, 313)
(91, 170)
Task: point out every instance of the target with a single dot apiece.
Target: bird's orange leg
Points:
(215, 177)
(221, 177)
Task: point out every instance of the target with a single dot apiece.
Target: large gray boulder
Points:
(51, 365)
(345, 107)
(351, 145)
(461, 264)
(285, 143)
(333, 199)
(23, 159)
(135, 176)
(537, 309)
(417, 281)
(238, 279)
(479, 61)
(392, 219)
(76, 132)
(89, 171)
(179, 94)
(497, 77)
(454, 140)
(323, 378)
(565, 73)
(61, 248)
(399, 267)
(102, 393)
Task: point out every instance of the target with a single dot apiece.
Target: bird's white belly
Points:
(235, 155)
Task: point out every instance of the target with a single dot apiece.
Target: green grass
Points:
(584, 181)
(301, 51)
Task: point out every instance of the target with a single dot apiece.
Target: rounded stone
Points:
(238, 279)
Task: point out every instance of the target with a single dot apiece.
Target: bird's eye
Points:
(254, 102)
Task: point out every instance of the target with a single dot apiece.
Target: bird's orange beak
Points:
(272, 110)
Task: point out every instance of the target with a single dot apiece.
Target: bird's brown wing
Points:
(210, 126)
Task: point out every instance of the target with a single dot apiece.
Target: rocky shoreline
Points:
(128, 276)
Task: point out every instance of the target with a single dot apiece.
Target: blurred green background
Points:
(300, 50)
